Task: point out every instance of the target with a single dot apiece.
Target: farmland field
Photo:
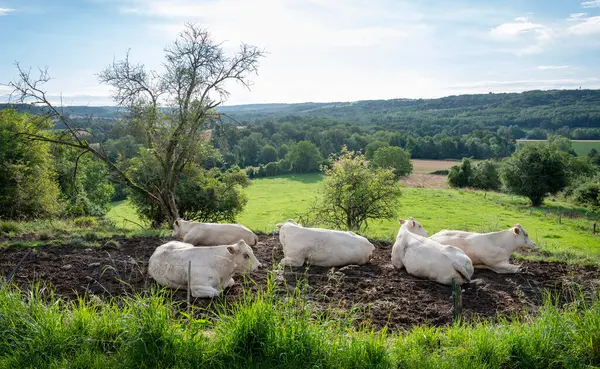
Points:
(581, 147)
(421, 166)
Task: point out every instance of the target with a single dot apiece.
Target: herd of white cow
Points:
(219, 251)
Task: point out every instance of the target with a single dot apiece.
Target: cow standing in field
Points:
(322, 247)
(212, 267)
(488, 250)
(425, 258)
(212, 234)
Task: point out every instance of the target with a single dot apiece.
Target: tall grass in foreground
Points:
(271, 330)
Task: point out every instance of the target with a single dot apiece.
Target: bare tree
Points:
(170, 108)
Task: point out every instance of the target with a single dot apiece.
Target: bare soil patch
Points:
(420, 180)
(376, 292)
(424, 166)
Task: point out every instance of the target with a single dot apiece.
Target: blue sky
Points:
(319, 50)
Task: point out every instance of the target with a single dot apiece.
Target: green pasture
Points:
(560, 230)
(581, 147)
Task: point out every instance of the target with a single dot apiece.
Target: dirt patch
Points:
(376, 292)
(420, 180)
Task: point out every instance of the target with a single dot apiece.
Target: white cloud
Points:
(552, 67)
(524, 36)
(591, 4)
(5, 11)
(576, 16)
(588, 26)
(272, 23)
(522, 26)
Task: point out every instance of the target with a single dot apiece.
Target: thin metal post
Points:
(189, 287)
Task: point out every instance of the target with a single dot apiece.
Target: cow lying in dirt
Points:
(488, 250)
(212, 234)
(322, 247)
(425, 258)
(212, 267)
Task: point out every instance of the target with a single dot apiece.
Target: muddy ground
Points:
(376, 291)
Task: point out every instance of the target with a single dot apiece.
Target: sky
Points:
(318, 50)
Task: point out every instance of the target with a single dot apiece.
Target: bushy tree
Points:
(354, 193)
(203, 195)
(372, 147)
(304, 157)
(268, 154)
(536, 171)
(212, 196)
(28, 186)
(486, 176)
(393, 157)
(460, 175)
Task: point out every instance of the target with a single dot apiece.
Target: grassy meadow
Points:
(581, 147)
(560, 231)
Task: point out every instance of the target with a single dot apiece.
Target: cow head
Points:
(523, 239)
(279, 225)
(413, 226)
(179, 229)
(243, 257)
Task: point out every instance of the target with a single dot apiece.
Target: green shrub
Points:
(587, 194)
(486, 176)
(8, 227)
(460, 175)
(85, 222)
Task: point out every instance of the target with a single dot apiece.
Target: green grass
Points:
(67, 232)
(270, 330)
(125, 216)
(581, 147)
(274, 199)
(561, 231)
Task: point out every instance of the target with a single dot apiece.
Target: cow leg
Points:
(504, 268)
(288, 261)
(203, 291)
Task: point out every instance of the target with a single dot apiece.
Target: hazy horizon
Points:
(320, 51)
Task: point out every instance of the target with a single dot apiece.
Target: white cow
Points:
(488, 250)
(322, 247)
(212, 267)
(212, 234)
(425, 258)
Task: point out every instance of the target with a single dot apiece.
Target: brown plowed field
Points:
(376, 292)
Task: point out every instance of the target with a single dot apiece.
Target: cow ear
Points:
(516, 230)
(233, 249)
(230, 250)
(241, 242)
(414, 224)
(401, 221)
(177, 223)
(278, 226)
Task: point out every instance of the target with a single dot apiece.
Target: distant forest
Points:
(479, 126)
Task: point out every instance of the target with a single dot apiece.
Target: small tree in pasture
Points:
(536, 171)
(354, 193)
(393, 157)
(460, 175)
(170, 109)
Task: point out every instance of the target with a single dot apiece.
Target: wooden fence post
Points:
(456, 301)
